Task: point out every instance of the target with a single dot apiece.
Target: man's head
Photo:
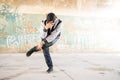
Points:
(51, 17)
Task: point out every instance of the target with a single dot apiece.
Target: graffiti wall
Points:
(19, 31)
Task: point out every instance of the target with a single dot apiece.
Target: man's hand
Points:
(39, 47)
(49, 24)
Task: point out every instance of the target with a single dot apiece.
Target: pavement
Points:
(72, 66)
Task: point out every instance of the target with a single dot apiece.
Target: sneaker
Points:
(34, 49)
(50, 70)
(29, 53)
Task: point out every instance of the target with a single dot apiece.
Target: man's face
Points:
(51, 22)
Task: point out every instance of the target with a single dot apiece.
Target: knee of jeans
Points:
(47, 45)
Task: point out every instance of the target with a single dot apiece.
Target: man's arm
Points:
(45, 28)
(44, 34)
(54, 34)
(47, 41)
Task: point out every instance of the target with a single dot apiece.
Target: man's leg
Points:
(48, 59)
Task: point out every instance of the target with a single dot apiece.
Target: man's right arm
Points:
(44, 32)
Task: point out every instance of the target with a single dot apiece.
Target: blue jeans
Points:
(47, 53)
(47, 57)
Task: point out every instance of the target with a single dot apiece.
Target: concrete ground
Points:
(81, 66)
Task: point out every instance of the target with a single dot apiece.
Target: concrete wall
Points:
(89, 25)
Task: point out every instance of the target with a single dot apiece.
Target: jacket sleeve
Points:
(44, 32)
